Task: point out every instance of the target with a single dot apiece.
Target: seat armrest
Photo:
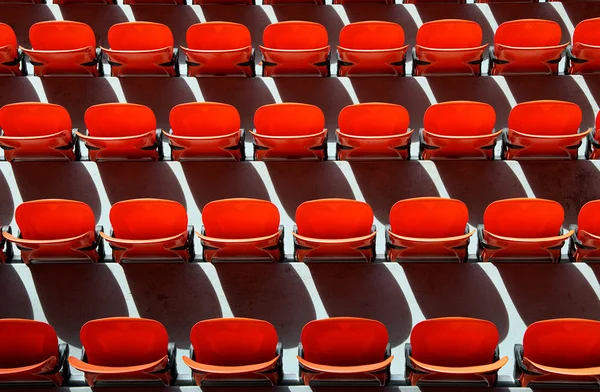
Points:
(100, 243)
(5, 245)
(190, 242)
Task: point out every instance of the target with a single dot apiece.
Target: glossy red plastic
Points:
(149, 229)
(585, 52)
(124, 349)
(205, 131)
(371, 48)
(373, 131)
(295, 48)
(141, 49)
(36, 131)
(334, 230)
(585, 244)
(10, 64)
(413, 235)
(448, 46)
(289, 131)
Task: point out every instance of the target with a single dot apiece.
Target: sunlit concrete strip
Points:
(128, 12)
(347, 83)
(341, 11)
(55, 10)
(414, 146)
(560, 10)
(501, 82)
(518, 171)
(268, 10)
(580, 80)
(213, 276)
(199, 13)
(194, 87)
(488, 15)
(37, 85)
(270, 83)
(115, 84)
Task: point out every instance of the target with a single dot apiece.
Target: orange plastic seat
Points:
(174, 2)
(344, 350)
(121, 131)
(371, 48)
(57, 230)
(561, 353)
(61, 47)
(235, 351)
(593, 141)
(150, 230)
(295, 48)
(334, 230)
(37, 131)
(63, 2)
(219, 49)
(30, 354)
(453, 350)
(289, 131)
(522, 229)
(585, 241)
(241, 230)
(205, 131)
(363, 2)
(458, 129)
(434, 1)
(141, 49)
(448, 46)
(125, 350)
(373, 131)
(527, 46)
(543, 129)
(223, 2)
(11, 58)
(430, 228)
(584, 56)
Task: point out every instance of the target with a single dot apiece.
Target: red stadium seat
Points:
(141, 49)
(121, 131)
(458, 129)
(57, 230)
(334, 230)
(363, 1)
(223, 2)
(205, 131)
(11, 58)
(584, 56)
(277, 2)
(30, 354)
(124, 350)
(241, 230)
(295, 48)
(585, 241)
(344, 349)
(219, 49)
(543, 129)
(62, 2)
(37, 131)
(593, 141)
(150, 229)
(522, 229)
(563, 353)
(235, 350)
(430, 228)
(373, 131)
(371, 48)
(434, 1)
(526, 46)
(61, 47)
(289, 131)
(448, 46)
(453, 350)
(174, 2)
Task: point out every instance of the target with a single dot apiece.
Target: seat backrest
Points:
(233, 341)
(589, 218)
(454, 342)
(218, 36)
(204, 119)
(9, 39)
(450, 34)
(587, 32)
(334, 219)
(240, 218)
(139, 36)
(565, 343)
(26, 342)
(146, 219)
(460, 118)
(429, 217)
(53, 219)
(545, 118)
(372, 35)
(374, 119)
(61, 35)
(34, 119)
(344, 341)
(295, 35)
(119, 119)
(528, 33)
(524, 218)
(124, 341)
(289, 119)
